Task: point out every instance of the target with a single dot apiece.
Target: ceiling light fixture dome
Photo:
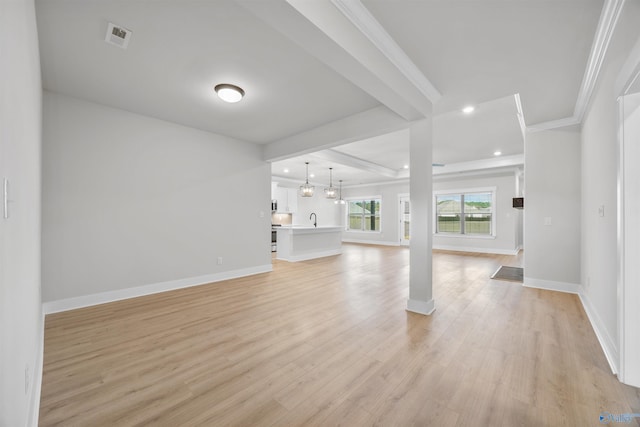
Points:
(229, 93)
(497, 153)
(306, 189)
(330, 192)
(468, 109)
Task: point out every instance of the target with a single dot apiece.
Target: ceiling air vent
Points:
(118, 35)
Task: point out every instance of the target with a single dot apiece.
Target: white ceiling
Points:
(307, 64)
(179, 50)
(457, 138)
(477, 51)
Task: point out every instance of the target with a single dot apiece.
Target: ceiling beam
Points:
(475, 165)
(368, 25)
(370, 123)
(355, 162)
(323, 30)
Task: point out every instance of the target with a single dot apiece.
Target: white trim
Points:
(552, 285)
(366, 23)
(620, 245)
(447, 234)
(371, 242)
(378, 183)
(36, 380)
(605, 340)
(121, 294)
(312, 255)
(606, 27)
(476, 250)
(421, 307)
(400, 224)
(520, 113)
(554, 124)
(629, 72)
(482, 164)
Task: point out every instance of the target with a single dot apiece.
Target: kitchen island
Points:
(299, 243)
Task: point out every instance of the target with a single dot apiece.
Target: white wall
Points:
(552, 253)
(599, 174)
(21, 326)
(132, 201)
(506, 239)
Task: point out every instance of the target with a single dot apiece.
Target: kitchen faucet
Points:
(315, 219)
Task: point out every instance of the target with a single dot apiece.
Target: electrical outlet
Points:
(219, 260)
(547, 220)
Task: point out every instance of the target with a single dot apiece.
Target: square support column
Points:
(421, 182)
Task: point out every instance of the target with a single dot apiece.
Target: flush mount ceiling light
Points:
(497, 153)
(340, 201)
(306, 189)
(286, 171)
(406, 166)
(468, 109)
(330, 192)
(229, 93)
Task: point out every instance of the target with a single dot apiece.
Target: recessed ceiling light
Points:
(406, 166)
(229, 93)
(286, 171)
(497, 153)
(468, 109)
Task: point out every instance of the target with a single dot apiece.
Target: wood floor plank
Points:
(328, 342)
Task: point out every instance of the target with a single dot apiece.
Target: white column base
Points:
(421, 307)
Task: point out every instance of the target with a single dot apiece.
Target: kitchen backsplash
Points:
(281, 218)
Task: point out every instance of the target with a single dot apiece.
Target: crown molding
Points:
(368, 25)
(520, 114)
(606, 27)
(554, 124)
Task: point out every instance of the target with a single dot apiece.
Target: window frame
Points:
(461, 192)
(363, 199)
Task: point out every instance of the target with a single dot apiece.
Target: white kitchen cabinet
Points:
(287, 198)
(292, 200)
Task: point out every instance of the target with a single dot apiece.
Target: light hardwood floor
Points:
(328, 342)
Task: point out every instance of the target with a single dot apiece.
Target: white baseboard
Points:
(477, 250)
(36, 380)
(421, 307)
(120, 294)
(606, 342)
(550, 285)
(371, 242)
(311, 255)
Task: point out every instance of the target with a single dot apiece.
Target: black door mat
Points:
(513, 274)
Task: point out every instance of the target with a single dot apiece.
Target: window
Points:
(468, 213)
(364, 214)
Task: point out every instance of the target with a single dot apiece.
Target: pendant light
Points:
(340, 201)
(306, 189)
(330, 192)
